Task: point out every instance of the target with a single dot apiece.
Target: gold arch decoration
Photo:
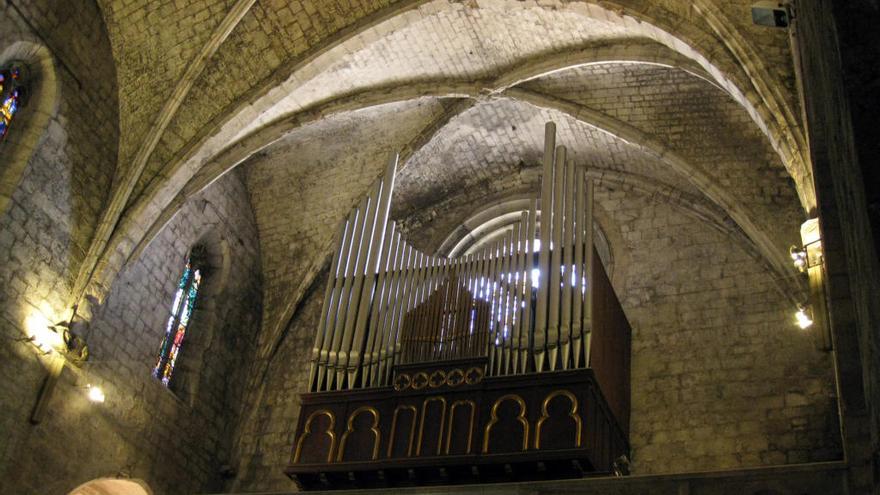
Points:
(572, 413)
(442, 401)
(487, 431)
(412, 430)
(307, 430)
(377, 434)
(470, 437)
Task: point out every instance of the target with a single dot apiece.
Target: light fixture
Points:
(804, 317)
(44, 335)
(57, 338)
(95, 394)
(771, 14)
(60, 345)
(815, 308)
(798, 258)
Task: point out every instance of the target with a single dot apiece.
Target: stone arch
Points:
(752, 89)
(741, 77)
(748, 233)
(496, 219)
(31, 121)
(112, 486)
(270, 133)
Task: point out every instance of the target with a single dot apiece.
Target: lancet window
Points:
(12, 94)
(179, 318)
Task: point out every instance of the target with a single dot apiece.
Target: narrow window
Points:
(12, 93)
(175, 329)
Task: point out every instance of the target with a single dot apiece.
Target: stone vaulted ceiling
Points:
(683, 102)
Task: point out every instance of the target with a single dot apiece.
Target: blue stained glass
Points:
(11, 95)
(185, 277)
(175, 330)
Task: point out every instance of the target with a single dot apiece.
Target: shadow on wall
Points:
(112, 486)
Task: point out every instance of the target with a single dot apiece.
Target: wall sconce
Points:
(798, 258)
(804, 317)
(61, 345)
(58, 338)
(811, 260)
(812, 240)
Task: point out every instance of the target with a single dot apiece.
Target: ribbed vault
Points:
(469, 49)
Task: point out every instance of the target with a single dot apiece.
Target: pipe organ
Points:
(508, 363)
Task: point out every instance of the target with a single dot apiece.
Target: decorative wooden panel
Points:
(549, 425)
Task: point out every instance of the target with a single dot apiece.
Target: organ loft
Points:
(439, 246)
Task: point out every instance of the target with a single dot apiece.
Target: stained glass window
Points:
(178, 320)
(12, 93)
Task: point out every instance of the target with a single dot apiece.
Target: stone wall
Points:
(722, 378)
(66, 140)
(176, 440)
(838, 53)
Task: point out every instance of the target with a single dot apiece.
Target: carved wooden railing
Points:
(467, 429)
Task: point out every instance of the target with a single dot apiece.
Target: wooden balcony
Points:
(457, 426)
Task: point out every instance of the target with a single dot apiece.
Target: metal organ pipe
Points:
(388, 304)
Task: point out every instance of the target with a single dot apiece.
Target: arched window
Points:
(180, 314)
(12, 94)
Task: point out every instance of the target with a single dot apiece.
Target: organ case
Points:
(508, 363)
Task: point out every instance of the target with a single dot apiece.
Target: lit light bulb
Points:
(803, 318)
(41, 332)
(95, 394)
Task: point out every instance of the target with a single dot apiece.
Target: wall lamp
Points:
(58, 338)
(798, 258)
(61, 345)
(810, 260)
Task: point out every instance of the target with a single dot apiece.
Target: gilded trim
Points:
(402, 382)
(374, 428)
(572, 413)
(307, 430)
(521, 418)
(412, 432)
(479, 372)
(438, 379)
(458, 380)
(420, 380)
(452, 421)
(442, 401)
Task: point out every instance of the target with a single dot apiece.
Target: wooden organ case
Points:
(507, 364)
